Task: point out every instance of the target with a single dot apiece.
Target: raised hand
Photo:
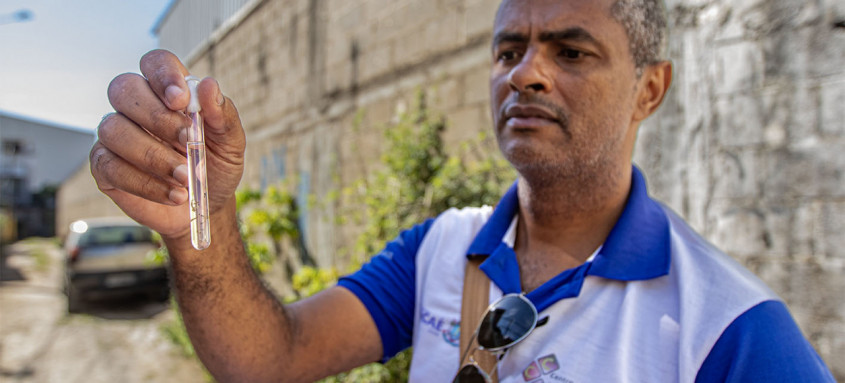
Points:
(139, 159)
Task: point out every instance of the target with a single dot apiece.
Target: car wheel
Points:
(74, 299)
(160, 295)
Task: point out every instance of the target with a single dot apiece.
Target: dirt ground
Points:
(115, 340)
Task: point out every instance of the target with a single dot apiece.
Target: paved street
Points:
(111, 341)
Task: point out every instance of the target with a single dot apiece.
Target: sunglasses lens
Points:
(470, 373)
(507, 322)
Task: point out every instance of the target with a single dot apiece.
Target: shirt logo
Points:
(452, 335)
(542, 366)
(449, 330)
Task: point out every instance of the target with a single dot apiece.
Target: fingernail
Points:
(181, 174)
(220, 99)
(183, 137)
(178, 196)
(95, 159)
(172, 92)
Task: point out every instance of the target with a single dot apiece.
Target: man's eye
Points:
(507, 56)
(571, 54)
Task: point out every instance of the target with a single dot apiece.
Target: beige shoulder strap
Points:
(476, 298)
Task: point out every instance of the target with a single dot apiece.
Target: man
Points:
(627, 292)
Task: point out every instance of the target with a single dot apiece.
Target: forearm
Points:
(239, 329)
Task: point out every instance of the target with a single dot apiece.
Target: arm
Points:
(243, 333)
(240, 330)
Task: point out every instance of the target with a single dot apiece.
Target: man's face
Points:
(563, 88)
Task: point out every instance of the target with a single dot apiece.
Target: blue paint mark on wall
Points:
(273, 166)
(264, 170)
(279, 155)
(302, 193)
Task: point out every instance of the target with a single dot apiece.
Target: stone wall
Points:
(300, 71)
(747, 145)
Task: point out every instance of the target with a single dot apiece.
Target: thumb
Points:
(222, 122)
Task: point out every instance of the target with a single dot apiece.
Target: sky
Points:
(56, 66)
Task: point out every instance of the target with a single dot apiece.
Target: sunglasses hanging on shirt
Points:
(505, 323)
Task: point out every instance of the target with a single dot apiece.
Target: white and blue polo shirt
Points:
(655, 303)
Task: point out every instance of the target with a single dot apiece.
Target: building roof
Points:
(43, 122)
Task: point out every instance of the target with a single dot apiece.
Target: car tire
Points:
(160, 295)
(74, 299)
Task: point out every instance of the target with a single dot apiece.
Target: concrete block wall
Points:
(300, 70)
(747, 145)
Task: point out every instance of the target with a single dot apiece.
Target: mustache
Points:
(528, 99)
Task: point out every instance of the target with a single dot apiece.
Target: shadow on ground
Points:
(125, 307)
(8, 273)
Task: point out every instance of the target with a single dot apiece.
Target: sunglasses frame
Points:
(497, 351)
(478, 370)
(520, 339)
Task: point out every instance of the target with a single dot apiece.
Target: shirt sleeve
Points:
(386, 285)
(764, 344)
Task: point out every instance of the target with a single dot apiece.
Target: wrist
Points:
(222, 222)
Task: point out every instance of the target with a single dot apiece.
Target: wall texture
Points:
(80, 198)
(747, 145)
(301, 70)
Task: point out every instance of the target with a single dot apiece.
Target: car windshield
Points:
(115, 235)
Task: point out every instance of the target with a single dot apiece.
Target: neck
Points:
(571, 216)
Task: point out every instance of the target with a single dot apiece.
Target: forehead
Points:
(531, 16)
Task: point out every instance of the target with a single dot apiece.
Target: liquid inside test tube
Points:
(197, 187)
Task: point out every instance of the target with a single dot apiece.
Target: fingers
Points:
(131, 95)
(127, 158)
(134, 145)
(166, 75)
(113, 174)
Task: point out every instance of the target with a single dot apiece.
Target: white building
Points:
(35, 158)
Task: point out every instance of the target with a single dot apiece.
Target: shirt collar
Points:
(637, 247)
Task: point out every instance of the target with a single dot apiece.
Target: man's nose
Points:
(530, 74)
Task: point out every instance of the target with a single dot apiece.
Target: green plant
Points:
(418, 180)
(272, 216)
(311, 280)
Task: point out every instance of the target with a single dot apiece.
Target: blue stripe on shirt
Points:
(386, 285)
(763, 345)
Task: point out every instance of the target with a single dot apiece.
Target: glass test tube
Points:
(197, 187)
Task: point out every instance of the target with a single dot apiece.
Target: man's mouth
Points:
(527, 116)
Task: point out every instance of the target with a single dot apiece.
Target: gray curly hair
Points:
(645, 23)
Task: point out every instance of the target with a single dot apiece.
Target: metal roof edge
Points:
(44, 122)
(227, 26)
(163, 17)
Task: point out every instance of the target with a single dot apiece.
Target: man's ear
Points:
(654, 83)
